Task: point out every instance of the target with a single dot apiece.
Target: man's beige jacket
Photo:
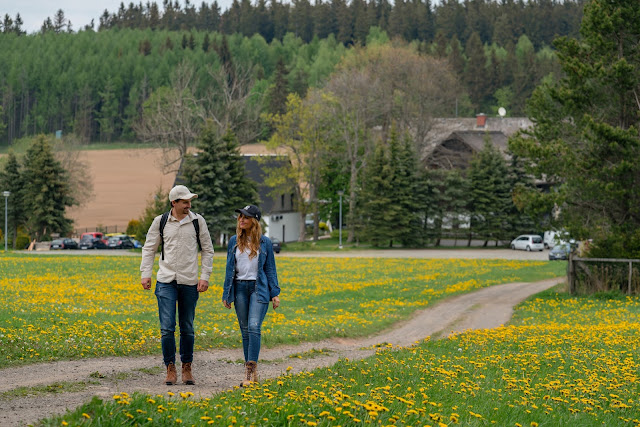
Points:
(180, 251)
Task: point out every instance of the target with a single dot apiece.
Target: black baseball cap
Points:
(250, 211)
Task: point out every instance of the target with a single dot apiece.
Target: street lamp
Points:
(340, 193)
(6, 195)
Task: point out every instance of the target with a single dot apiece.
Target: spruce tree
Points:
(453, 199)
(217, 174)
(46, 192)
(426, 193)
(377, 213)
(403, 165)
(279, 91)
(490, 191)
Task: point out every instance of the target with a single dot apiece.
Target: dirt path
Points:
(219, 370)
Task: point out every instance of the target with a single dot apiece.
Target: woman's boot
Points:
(254, 375)
(248, 374)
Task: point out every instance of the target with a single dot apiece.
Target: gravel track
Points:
(219, 370)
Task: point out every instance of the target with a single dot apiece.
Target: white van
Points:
(553, 237)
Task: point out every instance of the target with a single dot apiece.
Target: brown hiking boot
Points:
(187, 377)
(172, 375)
(250, 368)
(254, 373)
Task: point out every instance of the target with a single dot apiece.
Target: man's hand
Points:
(146, 283)
(203, 285)
(226, 304)
(276, 302)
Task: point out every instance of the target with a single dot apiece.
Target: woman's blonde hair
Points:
(249, 239)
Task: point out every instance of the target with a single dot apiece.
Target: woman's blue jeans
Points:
(250, 314)
(186, 297)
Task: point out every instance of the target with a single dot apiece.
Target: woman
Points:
(250, 282)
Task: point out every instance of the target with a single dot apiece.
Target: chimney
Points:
(481, 120)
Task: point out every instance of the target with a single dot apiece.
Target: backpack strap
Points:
(196, 225)
(163, 222)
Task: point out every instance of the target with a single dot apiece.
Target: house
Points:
(278, 213)
(450, 141)
(456, 150)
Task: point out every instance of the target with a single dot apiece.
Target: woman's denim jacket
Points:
(267, 281)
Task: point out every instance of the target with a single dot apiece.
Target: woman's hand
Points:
(276, 302)
(226, 304)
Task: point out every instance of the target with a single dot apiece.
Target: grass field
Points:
(562, 362)
(54, 308)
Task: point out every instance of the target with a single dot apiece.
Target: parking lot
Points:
(470, 253)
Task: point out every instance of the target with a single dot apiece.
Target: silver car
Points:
(528, 242)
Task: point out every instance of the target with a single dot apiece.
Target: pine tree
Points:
(11, 180)
(217, 174)
(403, 165)
(46, 192)
(490, 192)
(585, 140)
(378, 212)
(475, 73)
(454, 200)
(279, 91)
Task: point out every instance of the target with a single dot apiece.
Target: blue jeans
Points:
(186, 296)
(250, 314)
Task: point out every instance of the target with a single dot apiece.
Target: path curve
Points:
(219, 370)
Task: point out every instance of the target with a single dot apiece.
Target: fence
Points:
(102, 228)
(591, 275)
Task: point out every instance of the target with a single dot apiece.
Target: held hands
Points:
(276, 302)
(146, 283)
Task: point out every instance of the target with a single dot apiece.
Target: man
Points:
(180, 232)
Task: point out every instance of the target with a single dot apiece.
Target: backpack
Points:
(163, 222)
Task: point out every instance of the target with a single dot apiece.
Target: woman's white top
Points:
(246, 269)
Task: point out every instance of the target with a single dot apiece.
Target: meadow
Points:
(563, 361)
(71, 307)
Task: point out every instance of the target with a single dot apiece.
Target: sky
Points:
(79, 12)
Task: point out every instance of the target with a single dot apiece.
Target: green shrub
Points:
(133, 227)
(22, 240)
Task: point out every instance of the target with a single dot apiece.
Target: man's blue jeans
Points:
(186, 297)
(250, 314)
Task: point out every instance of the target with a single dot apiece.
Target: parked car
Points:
(277, 245)
(528, 242)
(63, 244)
(120, 242)
(88, 242)
(560, 251)
(94, 234)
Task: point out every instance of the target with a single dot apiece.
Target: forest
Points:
(94, 82)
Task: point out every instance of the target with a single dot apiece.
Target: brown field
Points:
(124, 180)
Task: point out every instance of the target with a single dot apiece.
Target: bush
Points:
(133, 227)
(616, 246)
(22, 240)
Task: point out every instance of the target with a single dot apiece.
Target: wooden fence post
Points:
(570, 274)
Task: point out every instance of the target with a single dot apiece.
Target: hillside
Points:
(123, 182)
